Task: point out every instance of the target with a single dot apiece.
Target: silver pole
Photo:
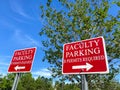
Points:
(17, 77)
(84, 82)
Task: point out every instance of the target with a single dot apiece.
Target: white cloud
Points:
(4, 60)
(33, 41)
(23, 39)
(17, 7)
(21, 12)
(4, 63)
(5, 57)
(42, 72)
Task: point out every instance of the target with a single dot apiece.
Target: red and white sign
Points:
(85, 57)
(22, 60)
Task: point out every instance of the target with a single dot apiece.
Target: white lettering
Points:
(96, 42)
(97, 50)
(28, 57)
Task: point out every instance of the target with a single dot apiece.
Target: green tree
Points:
(7, 82)
(26, 82)
(71, 87)
(63, 86)
(0, 80)
(77, 20)
(20, 86)
(43, 83)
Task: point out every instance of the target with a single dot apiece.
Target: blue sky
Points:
(20, 24)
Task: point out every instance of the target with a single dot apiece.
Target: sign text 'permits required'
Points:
(85, 57)
(22, 60)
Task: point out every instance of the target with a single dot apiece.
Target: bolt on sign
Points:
(22, 60)
(85, 57)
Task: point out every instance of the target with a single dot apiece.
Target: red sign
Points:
(85, 57)
(22, 60)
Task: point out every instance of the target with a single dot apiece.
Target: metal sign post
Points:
(84, 85)
(86, 55)
(14, 87)
(22, 61)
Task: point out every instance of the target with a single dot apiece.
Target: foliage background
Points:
(79, 20)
